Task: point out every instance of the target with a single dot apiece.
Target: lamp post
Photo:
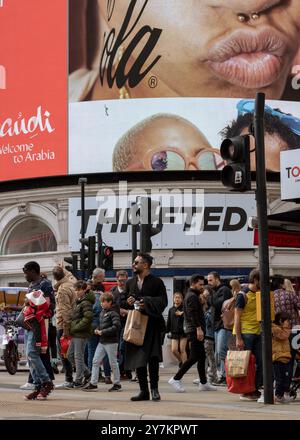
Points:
(82, 182)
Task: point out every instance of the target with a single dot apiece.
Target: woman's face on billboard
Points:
(229, 48)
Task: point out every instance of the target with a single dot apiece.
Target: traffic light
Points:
(73, 261)
(236, 152)
(147, 212)
(107, 257)
(87, 256)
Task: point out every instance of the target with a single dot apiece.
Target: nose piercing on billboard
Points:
(244, 17)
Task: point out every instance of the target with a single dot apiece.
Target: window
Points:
(30, 236)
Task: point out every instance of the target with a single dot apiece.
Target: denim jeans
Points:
(36, 366)
(253, 342)
(76, 353)
(221, 346)
(91, 346)
(101, 351)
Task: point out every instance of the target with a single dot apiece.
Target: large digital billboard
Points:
(33, 88)
(152, 85)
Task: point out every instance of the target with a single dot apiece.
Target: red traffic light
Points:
(107, 251)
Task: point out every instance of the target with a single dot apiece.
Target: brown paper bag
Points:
(135, 327)
(237, 363)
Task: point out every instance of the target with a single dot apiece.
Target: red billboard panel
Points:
(33, 88)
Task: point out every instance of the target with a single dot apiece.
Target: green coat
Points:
(81, 324)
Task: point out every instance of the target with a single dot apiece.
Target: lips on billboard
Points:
(33, 89)
(141, 50)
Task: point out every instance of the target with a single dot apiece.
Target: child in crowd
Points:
(209, 341)
(175, 328)
(81, 330)
(108, 332)
(281, 355)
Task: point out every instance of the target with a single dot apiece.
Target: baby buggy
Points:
(296, 378)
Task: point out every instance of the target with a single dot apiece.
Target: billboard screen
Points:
(155, 85)
(152, 85)
(33, 88)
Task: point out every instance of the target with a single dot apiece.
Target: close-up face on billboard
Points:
(153, 85)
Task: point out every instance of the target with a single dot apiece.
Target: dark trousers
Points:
(66, 363)
(282, 378)
(196, 354)
(141, 372)
(253, 343)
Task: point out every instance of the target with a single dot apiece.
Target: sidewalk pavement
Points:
(104, 405)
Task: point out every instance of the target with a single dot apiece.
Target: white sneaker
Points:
(64, 386)
(27, 386)
(261, 399)
(287, 397)
(206, 387)
(196, 381)
(177, 385)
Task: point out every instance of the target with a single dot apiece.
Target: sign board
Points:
(187, 221)
(290, 174)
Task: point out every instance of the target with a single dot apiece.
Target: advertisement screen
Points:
(91, 86)
(156, 85)
(33, 88)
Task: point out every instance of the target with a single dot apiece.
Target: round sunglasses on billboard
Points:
(171, 160)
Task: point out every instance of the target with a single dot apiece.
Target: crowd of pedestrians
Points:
(203, 323)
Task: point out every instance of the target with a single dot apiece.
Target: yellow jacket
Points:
(281, 351)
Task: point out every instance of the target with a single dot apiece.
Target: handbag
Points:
(135, 327)
(242, 385)
(65, 342)
(237, 362)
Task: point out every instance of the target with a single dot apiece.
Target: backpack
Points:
(227, 311)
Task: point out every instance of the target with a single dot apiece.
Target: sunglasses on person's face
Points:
(174, 159)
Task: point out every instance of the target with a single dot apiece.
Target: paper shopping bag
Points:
(135, 327)
(237, 363)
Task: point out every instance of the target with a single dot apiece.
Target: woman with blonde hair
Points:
(288, 286)
(235, 287)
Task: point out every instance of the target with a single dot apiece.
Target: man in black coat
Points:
(151, 294)
(221, 294)
(195, 330)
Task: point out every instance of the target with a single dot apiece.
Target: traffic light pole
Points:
(82, 181)
(261, 202)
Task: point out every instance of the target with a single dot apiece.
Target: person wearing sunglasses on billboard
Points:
(282, 132)
(214, 48)
(165, 142)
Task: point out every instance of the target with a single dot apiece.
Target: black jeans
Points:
(66, 363)
(197, 354)
(282, 378)
(141, 372)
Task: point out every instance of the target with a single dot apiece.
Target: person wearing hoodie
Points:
(281, 356)
(221, 294)
(81, 330)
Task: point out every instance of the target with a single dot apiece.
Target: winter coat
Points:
(81, 324)
(193, 312)
(281, 351)
(65, 298)
(220, 294)
(175, 323)
(154, 294)
(110, 325)
(209, 325)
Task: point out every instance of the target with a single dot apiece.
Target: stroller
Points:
(295, 384)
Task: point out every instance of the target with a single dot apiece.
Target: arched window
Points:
(29, 236)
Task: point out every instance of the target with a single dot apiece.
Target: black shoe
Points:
(87, 378)
(155, 394)
(78, 385)
(116, 387)
(89, 387)
(143, 395)
(55, 369)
